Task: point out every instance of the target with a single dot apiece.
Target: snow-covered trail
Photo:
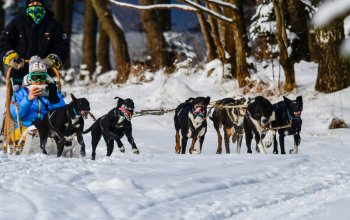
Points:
(158, 184)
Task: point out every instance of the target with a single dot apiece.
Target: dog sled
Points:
(20, 140)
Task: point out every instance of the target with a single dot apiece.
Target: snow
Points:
(8, 3)
(159, 184)
(330, 10)
(154, 6)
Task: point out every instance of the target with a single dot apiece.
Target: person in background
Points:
(34, 32)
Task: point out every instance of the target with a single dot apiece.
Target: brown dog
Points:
(231, 119)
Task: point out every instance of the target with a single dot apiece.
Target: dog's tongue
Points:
(126, 112)
(84, 113)
(297, 113)
(198, 109)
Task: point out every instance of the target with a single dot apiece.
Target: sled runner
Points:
(23, 140)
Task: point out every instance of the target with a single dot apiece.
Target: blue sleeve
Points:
(24, 104)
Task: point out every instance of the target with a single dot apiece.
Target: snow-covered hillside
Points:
(158, 184)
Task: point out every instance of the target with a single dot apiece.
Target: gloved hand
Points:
(17, 63)
(53, 60)
(11, 58)
(53, 97)
(48, 62)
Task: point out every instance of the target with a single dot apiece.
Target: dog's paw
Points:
(135, 151)
(82, 153)
(122, 149)
(293, 151)
(257, 149)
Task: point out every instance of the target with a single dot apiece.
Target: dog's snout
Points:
(264, 120)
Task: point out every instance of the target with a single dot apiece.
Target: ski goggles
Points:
(36, 77)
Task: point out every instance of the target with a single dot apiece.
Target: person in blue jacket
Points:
(36, 96)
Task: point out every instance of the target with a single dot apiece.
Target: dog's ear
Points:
(287, 100)
(119, 100)
(131, 103)
(299, 99)
(190, 100)
(207, 100)
(73, 97)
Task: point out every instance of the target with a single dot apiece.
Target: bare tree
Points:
(333, 70)
(58, 9)
(215, 27)
(2, 25)
(216, 18)
(238, 50)
(155, 25)
(208, 39)
(298, 20)
(286, 61)
(63, 11)
(117, 38)
(89, 37)
(103, 51)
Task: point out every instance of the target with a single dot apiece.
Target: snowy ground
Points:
(158, 184)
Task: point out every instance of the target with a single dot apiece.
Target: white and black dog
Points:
(191, 118)
(63, 122)
(257, 120)
(231, 119)
(288, 112)
(113, 126)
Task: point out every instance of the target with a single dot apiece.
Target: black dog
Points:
(191, 118)
(288, 112)
(63, 122)
(231, 119)
(257, 120)
(113, 126)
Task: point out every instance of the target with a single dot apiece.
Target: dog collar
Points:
(290, 117)
(75, 112)
(198, 113)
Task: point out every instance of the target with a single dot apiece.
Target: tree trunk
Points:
(2, 26)
(286, 62)
(297, 18)
(214, 27)
(117, 38)
(89, 37)
(208, 39)
(68, 20)
(333, 70)
(58, 10)
(63, 11)
(240, 46)
(230, 43)
(103, 51)
(153, 25)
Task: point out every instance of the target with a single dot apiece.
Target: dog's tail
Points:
(88, 130)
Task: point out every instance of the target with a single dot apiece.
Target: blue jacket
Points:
(31, 110)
